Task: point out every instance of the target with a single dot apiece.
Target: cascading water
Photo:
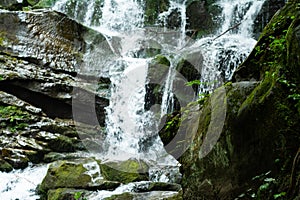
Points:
(222, 54)
(129, 125)
(21, 184)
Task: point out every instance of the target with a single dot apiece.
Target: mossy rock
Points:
(15, 157)
(65, 174)
(125, 171)
(66, 194)
(158, 69)
(62, 144)
(153, 8)
(260, 132)
(79, 174)
(5, 166)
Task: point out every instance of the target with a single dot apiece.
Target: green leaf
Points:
(282, 194)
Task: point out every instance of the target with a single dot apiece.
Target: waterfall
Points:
(132, 130)
(122, 15)
(224, 52)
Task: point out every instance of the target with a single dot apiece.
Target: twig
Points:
(233, 27)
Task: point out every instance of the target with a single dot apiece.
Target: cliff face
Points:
(256, 154)
(41, 76)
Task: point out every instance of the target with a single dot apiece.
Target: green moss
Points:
(65, 193)
(56, 194)
(2, 37)
(65, 174)
(16, 119)
(153, 8)
(125, 171)
(44, 4)
(160, 59)
(62, 144)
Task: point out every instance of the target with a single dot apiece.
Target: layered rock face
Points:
(42, 59)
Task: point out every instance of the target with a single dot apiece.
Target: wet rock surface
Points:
(52, 102)
(259, 116)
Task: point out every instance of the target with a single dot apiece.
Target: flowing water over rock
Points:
(21, 184)
(131, 128)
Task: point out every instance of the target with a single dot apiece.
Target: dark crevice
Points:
(92, 113)
(51, 107)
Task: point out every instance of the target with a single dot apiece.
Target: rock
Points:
(293, 45)
(124, 196)
(153, 9)
(190, 67)
(148, 195)
(5, 166)
(260, 130)
(10, 4)
(204, 10)
(54, 156)
(66, 194)
(41, 66)
(78, 174)
(15, 158)
(268, 10)
(125, 171)
(161, 186)
(157, 74)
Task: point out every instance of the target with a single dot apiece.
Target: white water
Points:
(21, 184)
(122, 15)
(222, 55)
(128, 124)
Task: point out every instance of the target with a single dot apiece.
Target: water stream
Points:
(127, 121)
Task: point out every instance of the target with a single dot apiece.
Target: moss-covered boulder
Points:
(125, 171)
(78, 174)
(254, 152)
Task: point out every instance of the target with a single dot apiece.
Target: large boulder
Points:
(78, 174)
(125, 171)
(252, 151)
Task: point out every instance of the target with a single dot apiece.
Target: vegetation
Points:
(13, 118)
